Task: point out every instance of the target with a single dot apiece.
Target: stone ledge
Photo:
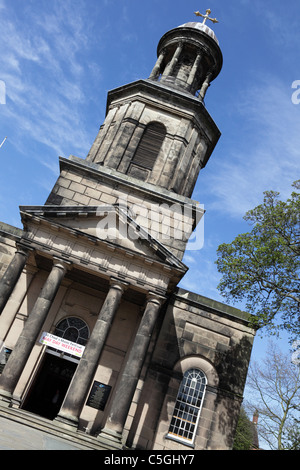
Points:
(199, 301)
(14, 233)
(125, 180)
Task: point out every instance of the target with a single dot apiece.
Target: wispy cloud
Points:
(43, 69)
(267, 153)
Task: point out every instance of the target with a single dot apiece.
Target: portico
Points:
(70, 255)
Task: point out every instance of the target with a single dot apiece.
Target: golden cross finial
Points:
(206, 17)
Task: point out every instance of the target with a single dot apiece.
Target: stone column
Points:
(171, 66)
(205, 86)
(114, 425)
(12, 274)
(15, 300)
(194, 69)
(82, 379)
(31, 330)
(156, 69)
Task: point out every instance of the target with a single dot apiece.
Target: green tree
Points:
(262, 267)
(243, 439)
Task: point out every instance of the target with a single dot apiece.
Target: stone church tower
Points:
(97, 339)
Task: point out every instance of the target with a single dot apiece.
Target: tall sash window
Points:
(188, 406)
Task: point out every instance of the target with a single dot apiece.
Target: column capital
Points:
(155, 298)
(62, 263)
(23, 249)
(116, 283)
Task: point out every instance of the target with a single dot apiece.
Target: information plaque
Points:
(98, 395)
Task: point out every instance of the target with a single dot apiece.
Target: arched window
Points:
(147, 150)
(188, 406)
(73, 329)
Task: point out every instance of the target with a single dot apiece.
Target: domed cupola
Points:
(157, 131)
(189, 57)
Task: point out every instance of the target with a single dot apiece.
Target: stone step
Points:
(53, 428)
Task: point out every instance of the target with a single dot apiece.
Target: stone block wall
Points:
(170, 221)
(190, 137)
(196, 333)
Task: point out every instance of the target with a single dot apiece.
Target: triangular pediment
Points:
(108, 224)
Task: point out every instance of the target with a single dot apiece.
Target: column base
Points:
(68, 422)
(5, 398)
(15, 402)
(111, 438)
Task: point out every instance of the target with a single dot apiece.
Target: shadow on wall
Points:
(232, 368)
(154, 406)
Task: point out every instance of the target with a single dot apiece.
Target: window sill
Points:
(180, 441)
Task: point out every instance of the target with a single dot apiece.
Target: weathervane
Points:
(206, 17)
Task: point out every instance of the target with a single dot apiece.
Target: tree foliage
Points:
(244, 434)
(262, 266)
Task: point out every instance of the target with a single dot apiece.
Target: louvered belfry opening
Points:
(147, 150)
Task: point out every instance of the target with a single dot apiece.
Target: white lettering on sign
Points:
(62, 344)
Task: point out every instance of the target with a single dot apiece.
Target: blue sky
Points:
(59, 59)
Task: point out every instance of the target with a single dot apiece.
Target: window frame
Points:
(83, 341)
(184, 388)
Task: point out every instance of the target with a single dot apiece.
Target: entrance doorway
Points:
(50, 387)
